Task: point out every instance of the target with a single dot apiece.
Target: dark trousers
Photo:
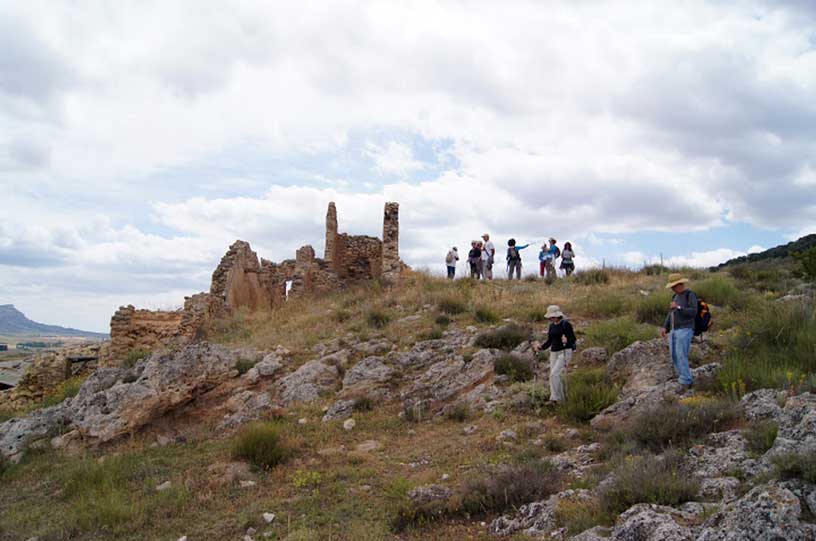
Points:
(514, 266)
(451, 272)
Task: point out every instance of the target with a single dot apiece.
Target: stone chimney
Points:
(331, 235)
(391, 265)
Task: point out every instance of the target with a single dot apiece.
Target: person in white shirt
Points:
(488, 255)
(450, 261)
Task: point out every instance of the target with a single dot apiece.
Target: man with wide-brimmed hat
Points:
(679, 326)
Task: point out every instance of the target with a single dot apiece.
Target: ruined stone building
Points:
(243, 280)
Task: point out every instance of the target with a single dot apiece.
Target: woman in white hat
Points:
(561, 341)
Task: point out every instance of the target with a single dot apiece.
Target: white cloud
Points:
(394, 159)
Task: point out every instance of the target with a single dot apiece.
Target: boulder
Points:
(766, 513)
(306, 383)
(536, 518)
(244, 407)
(646, 522)
(369, 377)
(342, 409)
(18, 433)
(634, 400)
(591, 357)
(164, 382)
(722, 453)
(429, 493)
(447, 379)
(642, 364)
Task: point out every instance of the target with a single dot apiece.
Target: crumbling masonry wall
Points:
(242, 280)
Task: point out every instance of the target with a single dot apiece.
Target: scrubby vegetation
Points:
(616, 334)
(592, 276)
(260, 444)
(796, 466)
(677, 424)
(135, 356)
(760, 436)
(775, 348)
(661, 480)
(589, 391)
(513, 366)
(506, 337)
(483, 314)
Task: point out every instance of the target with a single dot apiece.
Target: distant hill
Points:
(785, 250)
(14, 322)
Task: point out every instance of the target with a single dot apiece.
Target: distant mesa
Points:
(14, 323)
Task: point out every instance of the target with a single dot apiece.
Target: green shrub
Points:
(134, 356)
(306, 479)
(506, 337)
(807, 261)
(66, 389)
(451, 305)
(260, 444)
(796, 466)
(244, 365)
(363, 403)
(341, 316)
(496, 492)
(775, 348)
(442, 320)
(616, 334)
(485, 315)
(720, 291)
(653, 308)
(459, 412)
(507, 488)
(554, 444)
(538, 394)
(537, 315)
(602, 305)
(4, 465)
(660, 480)
(578, 515)
(588, 393)
(592, 277)
(673, 424)
(760, 436)
(377, 318)
(434, 334)
(517, 368)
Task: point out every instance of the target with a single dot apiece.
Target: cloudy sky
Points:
(138, 139)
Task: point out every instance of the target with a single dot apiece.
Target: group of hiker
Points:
(687, 317)
(482, 256)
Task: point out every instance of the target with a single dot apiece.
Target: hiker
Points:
(543, 257)
(475, 259)
(561, 341)
(450, 261)
(555, 253)
(679, 327)
(567, 256)
(514, 259)
(488, 257)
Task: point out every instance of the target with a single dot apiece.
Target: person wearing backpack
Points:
(561, 342)
(680, 327)
(450, 261)
(514, 259)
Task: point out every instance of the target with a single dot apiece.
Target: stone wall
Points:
(391, 264)
(133, 329)
(242, 280)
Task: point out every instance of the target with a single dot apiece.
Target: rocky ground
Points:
(402, 423)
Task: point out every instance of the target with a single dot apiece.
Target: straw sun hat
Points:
(674, 279)
(553, 310)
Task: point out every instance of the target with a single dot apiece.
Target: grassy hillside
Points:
(333, 487)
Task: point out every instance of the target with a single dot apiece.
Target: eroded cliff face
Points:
(243, 281)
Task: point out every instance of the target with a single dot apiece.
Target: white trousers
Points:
(558, 369)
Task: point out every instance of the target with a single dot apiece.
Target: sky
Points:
(139, 139)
